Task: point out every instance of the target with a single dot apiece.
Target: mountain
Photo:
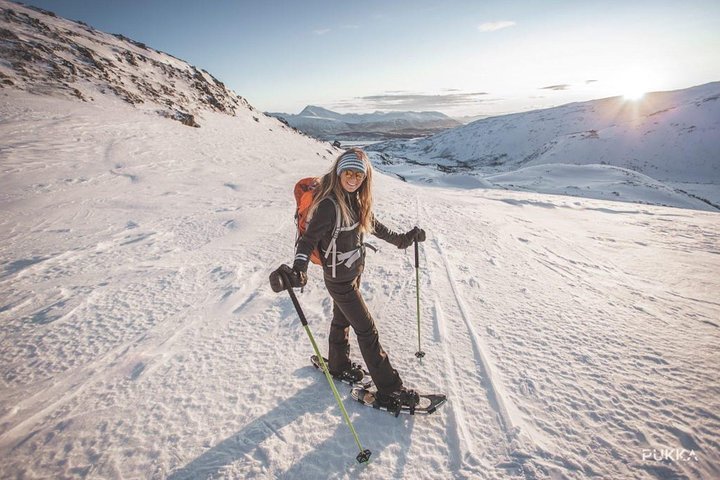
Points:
(139, 338)
(320, 113)
(44, 54)
(469, 119)
(328, 125)
(669, 138)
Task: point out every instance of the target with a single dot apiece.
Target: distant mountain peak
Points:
(315, 111)
(326, 124)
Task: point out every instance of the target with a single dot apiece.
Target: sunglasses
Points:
(349, 174)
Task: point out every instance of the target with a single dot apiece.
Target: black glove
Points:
(300, 266)
(301, 275)
(300, 270)
(285, 277)
(409, 238)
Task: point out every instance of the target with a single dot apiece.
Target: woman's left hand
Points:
(419, 234)
(410, 237)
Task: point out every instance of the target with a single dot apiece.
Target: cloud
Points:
(409, 101)
(564, 86)
(495, 26)
(321, 31)
(588, 82)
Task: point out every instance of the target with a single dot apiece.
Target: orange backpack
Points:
(304, 194)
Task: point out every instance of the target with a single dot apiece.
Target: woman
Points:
(347, 190)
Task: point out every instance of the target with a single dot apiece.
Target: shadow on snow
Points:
(336, 453)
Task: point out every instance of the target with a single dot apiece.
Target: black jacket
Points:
(350, 250)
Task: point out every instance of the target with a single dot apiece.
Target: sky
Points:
(462, 58)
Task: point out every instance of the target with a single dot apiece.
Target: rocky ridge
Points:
(44, 54)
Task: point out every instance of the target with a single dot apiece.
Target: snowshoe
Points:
(403, 401)
(355, 375)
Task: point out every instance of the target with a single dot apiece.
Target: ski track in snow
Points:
(140, 338)
(574, 271)
(494, 400)
(509, 460)
(459, 424)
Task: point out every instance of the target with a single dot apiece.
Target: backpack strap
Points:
(332, 248)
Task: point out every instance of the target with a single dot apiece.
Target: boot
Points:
(398, 399)
(353, 374)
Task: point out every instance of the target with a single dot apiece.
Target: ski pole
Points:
(364, 454)
(419, 353)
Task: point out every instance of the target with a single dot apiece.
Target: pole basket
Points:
(363, 456)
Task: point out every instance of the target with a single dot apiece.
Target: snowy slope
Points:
(45, 54)
(597, 181)
(671, 137)
(139, 337)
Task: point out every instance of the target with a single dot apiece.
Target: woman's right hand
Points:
(280, 278)
(300, 275)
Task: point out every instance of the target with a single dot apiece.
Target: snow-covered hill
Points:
(328, 125)
(44, 54)
(671, 137)
(139, 337)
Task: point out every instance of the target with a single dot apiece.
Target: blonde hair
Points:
(330, 184)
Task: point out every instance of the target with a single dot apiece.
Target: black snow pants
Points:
(350, 310)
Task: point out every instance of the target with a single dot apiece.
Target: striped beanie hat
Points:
(350, 161)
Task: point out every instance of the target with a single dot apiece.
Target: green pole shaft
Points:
(364, 455)
(419, 354)
(417, 282)
(332, 386)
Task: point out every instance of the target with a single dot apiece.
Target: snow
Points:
(595, 181)
(139, 337)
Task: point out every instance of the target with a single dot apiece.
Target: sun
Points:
(633, 93)
(634, 86)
